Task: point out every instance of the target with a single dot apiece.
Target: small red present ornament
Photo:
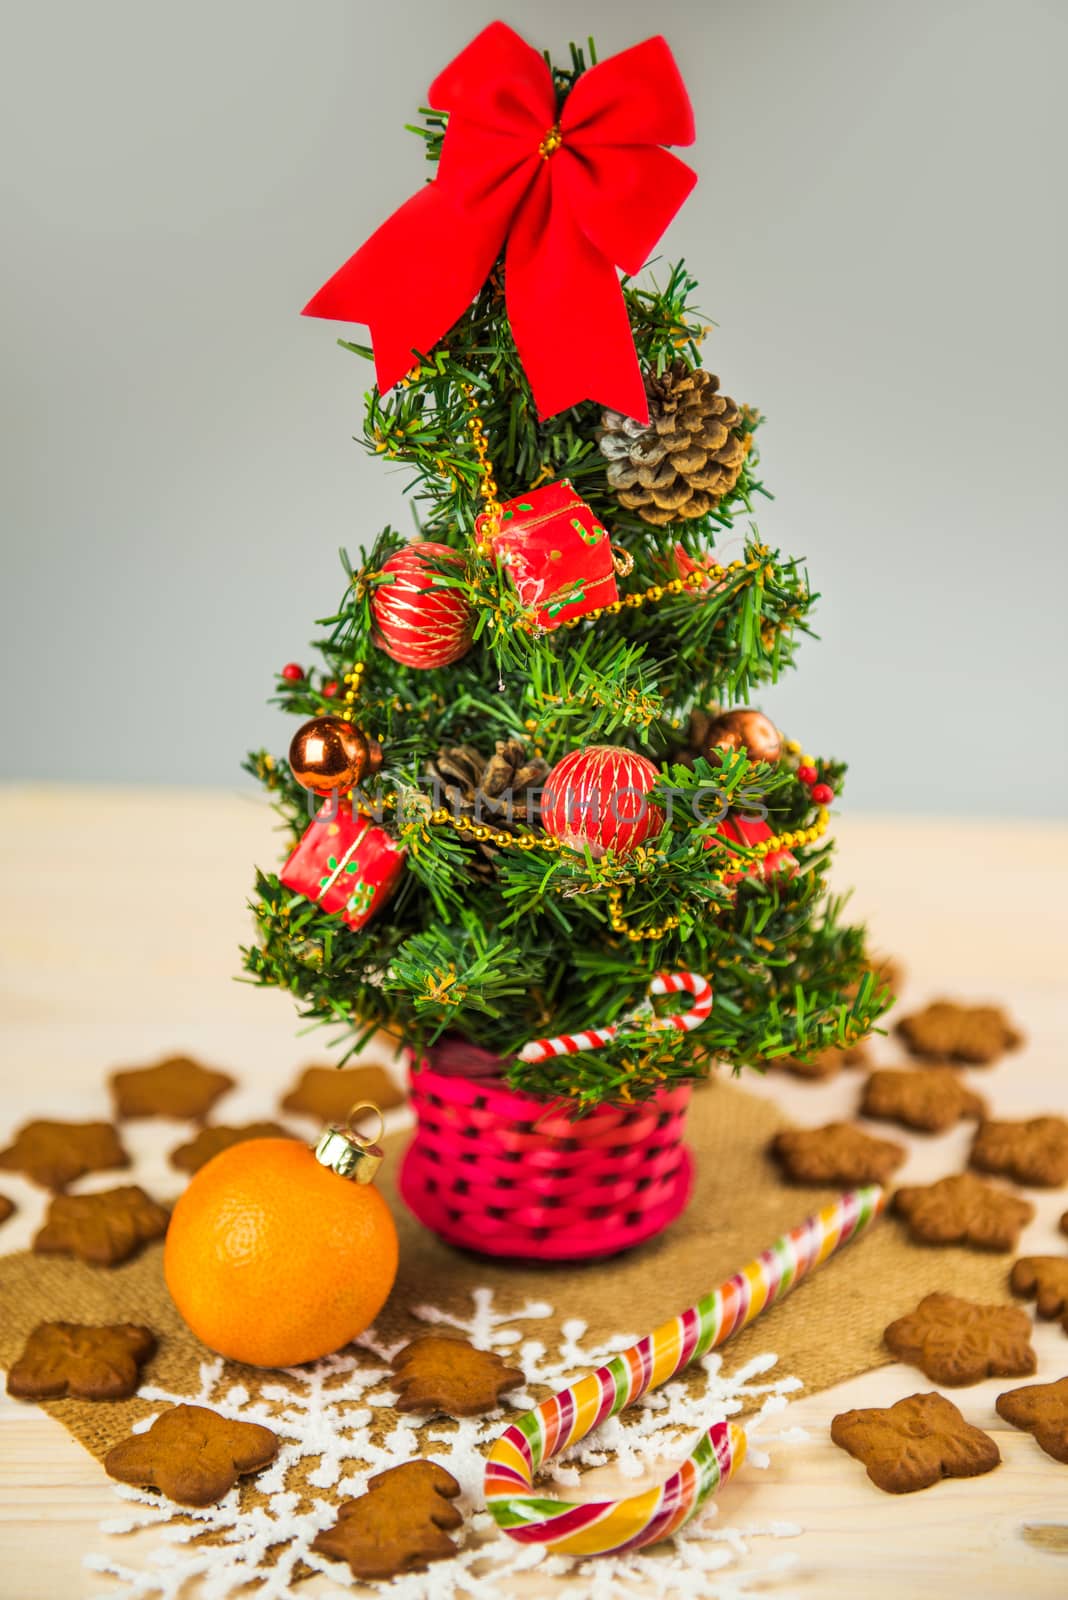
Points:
(558, 554)
(750, 831)
(345, 864)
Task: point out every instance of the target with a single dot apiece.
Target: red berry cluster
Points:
(822, 793)
(292, 672)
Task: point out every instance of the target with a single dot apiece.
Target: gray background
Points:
(879, 231)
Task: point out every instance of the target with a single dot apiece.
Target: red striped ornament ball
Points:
(420, 621)
(600, 797)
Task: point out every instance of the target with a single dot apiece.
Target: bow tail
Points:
(412, 280)
(567, 312)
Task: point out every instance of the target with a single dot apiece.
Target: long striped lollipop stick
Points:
(598, 1526)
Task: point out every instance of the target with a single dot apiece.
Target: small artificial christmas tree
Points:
(541, 783)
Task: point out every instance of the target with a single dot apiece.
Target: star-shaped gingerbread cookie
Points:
(329, 1093)
(53, 1154)
(914, 1443)
(962, 1209)
(437, 1373)
(1041, 1409)
(1045, 1277)
(1034, 1151)
(210, 1142)
(103, 1228)
(89, 1363)
(192, 1455)
(398, 1525)
(957, 1341)
(946, 1031)
(838, 1153)
(177, 1087)
(929, 1099)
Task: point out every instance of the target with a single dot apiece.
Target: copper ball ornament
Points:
(330, 753)
(743, 729)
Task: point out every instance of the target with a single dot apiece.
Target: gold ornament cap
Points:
(347, 1152)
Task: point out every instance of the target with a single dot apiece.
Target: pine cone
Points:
(492, 790)
(686, 459)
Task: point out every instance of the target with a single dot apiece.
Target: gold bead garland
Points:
(488, 485)
(353, 680)
(483, 833)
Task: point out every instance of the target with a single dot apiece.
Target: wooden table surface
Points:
(123, 911)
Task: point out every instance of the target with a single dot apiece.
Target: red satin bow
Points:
(573, 197)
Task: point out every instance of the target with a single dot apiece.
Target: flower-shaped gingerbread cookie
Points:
(946, 1031)
(957, 1341)
(53, 1154)
(963, 1210)
(1045, 1277)
(1034, 1151)
(90, 1363)
(914, 1443)
(1041, 1409)
(103, 1228)
(839, 1153)
(927, 1098)
(192, 1455)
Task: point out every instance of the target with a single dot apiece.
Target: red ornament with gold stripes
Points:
(600, 797)
(421, 619)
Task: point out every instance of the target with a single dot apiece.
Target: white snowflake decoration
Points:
(321, 1413)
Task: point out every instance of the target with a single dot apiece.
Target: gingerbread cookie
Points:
(889, 973)
(177, 1087)
(946, 1031)
(1063, 1224)
(103, 1228)
(1041, 1409)
(53, 1154)
(398, 1525)
(962, 1209)
(956, 1341)
(192, 1455)
(825, 1063)
(839, 1153)
(1034, 1151)
(1045, 1277)
(438, 1373)
(926, 1098)
(329, 1093)
(7, 1207)
(914, 1443)
(89, 1363)
(211, 1142)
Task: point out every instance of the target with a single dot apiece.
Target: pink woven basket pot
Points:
(504, 1174)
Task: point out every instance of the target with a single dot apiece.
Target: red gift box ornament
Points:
(346, 864)
(750, 831)
(558, 554)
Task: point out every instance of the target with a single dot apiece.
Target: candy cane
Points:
(566, 1044)
(598, 1526)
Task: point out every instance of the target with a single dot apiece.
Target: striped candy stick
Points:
(599, 1526)
(567, 1044)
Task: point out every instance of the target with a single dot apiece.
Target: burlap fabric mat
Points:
(829, 1329)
